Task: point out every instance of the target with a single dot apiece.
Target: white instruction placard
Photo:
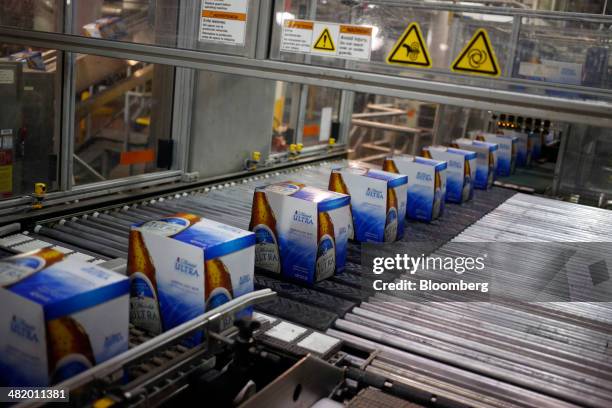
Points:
(7, 76)
(297, 36)
(355, 42)
(224, 21)
(327, 39)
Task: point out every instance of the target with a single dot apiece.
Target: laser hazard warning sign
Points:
(477, 57)
(410, 49)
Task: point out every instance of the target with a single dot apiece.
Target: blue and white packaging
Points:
(534, 145)
(524, 146)
(506, 154)
(460, 172)
(378, 202)
(426, 184)
(183, 265)
(486, 160)
(310, 227)
(59, 317)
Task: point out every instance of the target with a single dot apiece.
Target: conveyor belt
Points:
(552, 354)
(556, 348)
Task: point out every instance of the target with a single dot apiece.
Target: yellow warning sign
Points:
(410, 49)
(478, 57)
(324, 42)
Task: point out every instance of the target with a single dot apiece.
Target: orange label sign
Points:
(137, 157)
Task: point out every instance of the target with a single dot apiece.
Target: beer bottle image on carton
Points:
(460, 171)
(326, 250)
(263, 224)
(144, 300)
(438, 196)
(468, 188)
(337, 184)
(504, 160)
(61, 320)
(426, 184)
(312, 228)
(218, 287)
(182, 265)
(378, 201)
(70, 350)
(391, 219)
(486, 160)
(23, 266)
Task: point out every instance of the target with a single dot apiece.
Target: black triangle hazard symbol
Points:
(477, 57)
(410, 49)
(325, 42)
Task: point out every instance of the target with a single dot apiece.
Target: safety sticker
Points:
(325, 42)
(410, 49)
(478, 57)
(327, 39)
(224, 21)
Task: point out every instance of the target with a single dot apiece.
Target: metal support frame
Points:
(302, 103)
(184, 85)
(294, 113)
(490, 9)
(580, 111)
(514, 38)
(435, 138)
(559, 163)
(264, 22)
(67, 110)
(181, 117)
(345, 115)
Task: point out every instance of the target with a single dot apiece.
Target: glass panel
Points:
(321, 115)
(562, 45)
(40, 15)
(286, 110)
(225, 27)
(567, 160)
(382, 126)
(30, 81)
(146, 22)
(565, 52)
(232, 117)
(123, 113)
(587, 166)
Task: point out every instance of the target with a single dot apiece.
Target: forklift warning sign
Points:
(410, 49)
(327, 39)
(224, 21)
(478, 57)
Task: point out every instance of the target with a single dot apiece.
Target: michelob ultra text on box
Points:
(506, 153)
(59, 317)
(426, 184)
(486, 160)
(302, 232)
(460, 171)
(378, 202)
(183, 265)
